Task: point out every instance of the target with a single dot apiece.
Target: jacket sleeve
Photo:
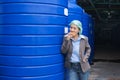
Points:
(65, 46)
(88, 49)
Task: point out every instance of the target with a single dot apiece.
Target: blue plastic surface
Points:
(28, 71)
(58, 76)
(54, 2)
(75, 12)
(31, 34)
(88, 31)
(31, 40)
(32, 29)
(22, 61)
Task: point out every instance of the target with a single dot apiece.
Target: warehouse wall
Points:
(107, 33)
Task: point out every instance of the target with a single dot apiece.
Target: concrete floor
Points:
(105, 71)
(107, 64)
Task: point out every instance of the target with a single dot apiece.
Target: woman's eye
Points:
(74, 28)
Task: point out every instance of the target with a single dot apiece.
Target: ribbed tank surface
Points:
(74, 11)
(31, 33)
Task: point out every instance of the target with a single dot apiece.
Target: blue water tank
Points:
(31, 34)
(75, 12)
(87, 31)
(91, 40)
(85, 25)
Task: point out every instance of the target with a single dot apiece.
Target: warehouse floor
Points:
(105, 71)
(106, 63)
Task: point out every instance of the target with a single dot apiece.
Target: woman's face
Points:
(74, 30)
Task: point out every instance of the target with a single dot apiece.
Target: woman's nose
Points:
(71, 29)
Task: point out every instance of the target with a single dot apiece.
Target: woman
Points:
(76, 49)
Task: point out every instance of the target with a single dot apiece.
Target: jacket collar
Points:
(82, 36)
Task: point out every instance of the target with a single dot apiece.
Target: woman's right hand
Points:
(69, 35)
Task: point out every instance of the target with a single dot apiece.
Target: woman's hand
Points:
(69, 35)
(85, 59)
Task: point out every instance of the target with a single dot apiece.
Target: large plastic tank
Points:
(91, 41)
(75, 12)
(87, 26)
(31, 34)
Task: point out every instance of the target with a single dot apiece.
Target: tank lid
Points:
(73, 1)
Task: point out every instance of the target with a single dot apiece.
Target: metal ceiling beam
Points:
(112, 2)
(88, 9)
(97, 1)
(108, 3)
(95, 9)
